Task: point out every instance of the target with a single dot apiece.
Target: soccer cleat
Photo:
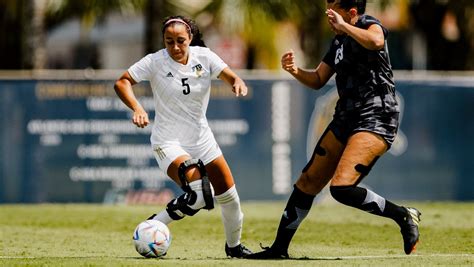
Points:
(239, 251)
(269, 253)
(409, 230)
(152, 216)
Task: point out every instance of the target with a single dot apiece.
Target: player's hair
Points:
(191, 28)
(348, 4)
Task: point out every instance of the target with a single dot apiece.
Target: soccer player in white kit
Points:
(183, 144)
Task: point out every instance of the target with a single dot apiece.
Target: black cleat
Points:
(269, 253)
(239, 251)
(409, 230)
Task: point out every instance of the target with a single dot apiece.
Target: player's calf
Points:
(364, 199)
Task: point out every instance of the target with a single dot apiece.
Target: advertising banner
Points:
(73, 141)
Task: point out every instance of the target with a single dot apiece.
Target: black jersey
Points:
(365, 84)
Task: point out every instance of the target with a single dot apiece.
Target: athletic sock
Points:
(196, 186)
(163, 217)
(366, 200)
(232, 216)
(395, 212)
(296, 210)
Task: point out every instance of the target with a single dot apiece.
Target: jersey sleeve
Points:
(366, 21)
(142, 70)
(330, 55)
(216, 64)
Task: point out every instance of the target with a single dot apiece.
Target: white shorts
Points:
(207, 150)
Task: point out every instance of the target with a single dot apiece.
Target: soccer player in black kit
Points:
(363, 127)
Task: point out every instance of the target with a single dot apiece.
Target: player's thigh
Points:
(322, 165)
(169, 157)
(360, 153)
(220, 175)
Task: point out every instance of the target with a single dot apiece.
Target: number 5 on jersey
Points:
(187, 90)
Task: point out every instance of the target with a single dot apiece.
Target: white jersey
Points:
(181, 93)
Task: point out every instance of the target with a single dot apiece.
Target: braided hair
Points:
(191, 28)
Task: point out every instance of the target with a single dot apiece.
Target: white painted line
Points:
(302, 258)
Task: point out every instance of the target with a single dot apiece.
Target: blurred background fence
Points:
(66, 137)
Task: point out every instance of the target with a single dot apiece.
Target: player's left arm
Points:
(372, 38)
(238, 85)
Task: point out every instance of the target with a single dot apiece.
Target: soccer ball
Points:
(152, 239)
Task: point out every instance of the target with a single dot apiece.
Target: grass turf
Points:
(331, 235)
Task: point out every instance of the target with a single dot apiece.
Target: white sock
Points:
(196, 186)
(163, 217)
(232, 216)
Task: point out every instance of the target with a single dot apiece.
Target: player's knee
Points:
(311, 183)
(194, 189)
(303, 181)
(190, 170)
(201, 187)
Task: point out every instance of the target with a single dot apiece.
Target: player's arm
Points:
(123, 88)
(238, 85)
(373, 38)
(312, 78)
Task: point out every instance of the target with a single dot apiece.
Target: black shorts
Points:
(385, 125)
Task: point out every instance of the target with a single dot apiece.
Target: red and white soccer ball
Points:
(152, 239)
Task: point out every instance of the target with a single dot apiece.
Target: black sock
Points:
(297, 208)
(369, 201)
(397, 213)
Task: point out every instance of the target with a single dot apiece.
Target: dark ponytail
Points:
(191, 28)
(360, 5)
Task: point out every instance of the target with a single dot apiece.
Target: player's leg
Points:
(312, 180)
(362, 151)
(191, 175)
(228, 198)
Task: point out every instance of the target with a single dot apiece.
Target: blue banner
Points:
(73, 141)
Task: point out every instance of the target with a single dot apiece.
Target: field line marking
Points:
(302, 258)
(390, 256)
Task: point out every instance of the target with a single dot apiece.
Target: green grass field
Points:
(332, 235)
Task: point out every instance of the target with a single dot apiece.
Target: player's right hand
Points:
(288, 62)
(140, 118)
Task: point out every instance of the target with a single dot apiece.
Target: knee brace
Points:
(206, 185)
(181, 206)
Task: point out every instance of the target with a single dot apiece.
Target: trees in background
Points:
(448, 31)
(446, 26)
(259, 25)
(16, 27)
(24, 23)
